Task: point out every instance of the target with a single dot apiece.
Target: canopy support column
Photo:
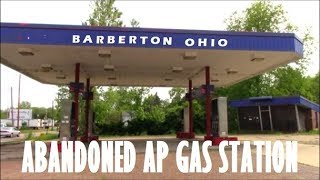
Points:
(208, 104)
(76, 101)
(190, 107)
(187, 132)
(87, 108)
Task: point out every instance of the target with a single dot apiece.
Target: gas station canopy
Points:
(122, 56)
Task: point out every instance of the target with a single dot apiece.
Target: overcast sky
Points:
(202, 15)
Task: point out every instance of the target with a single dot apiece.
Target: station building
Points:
(288, 114)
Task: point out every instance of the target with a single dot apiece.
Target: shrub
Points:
(29, 136)
(46, 137)
(114, 128)
(136, 126)
(24, 126)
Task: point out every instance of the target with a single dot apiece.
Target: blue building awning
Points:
(142, 56)
(272, 101)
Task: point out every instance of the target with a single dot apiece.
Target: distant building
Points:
(277, 113)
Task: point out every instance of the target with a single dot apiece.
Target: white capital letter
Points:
(27, 162)
(117, 156)
(75, 39)
(206, 156)
(132, 39)
(106, 156)
(149, 165)
(167, 41)
(195, 161)
(189, 42)
(278, 156)
(40, 159)
(67, 156)
(143, 39)
(129, 156)
(162, 153)
(246, 162)
(122, 39)
(99, 40)
(93, 156)
(182, 162)
(111, 39)
(54, 162)
(223, 156)
(259, 145)
(222, 42)
(87, 39)
(234, 149)
(291, 156)
(155, 40)
(268, 156)
(80, 156)
(202, 42)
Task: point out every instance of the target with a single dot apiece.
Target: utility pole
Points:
(47, 124)
(52, 116)
(12, 108)
(46, 117)
(19, 101)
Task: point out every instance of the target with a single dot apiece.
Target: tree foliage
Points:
(63, 93)
(134, 23)
(4, 114)
(105, 14)
(261, 16)
(43, 113)
(25, 105)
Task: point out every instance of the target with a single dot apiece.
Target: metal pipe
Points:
(270, 117)
(260, 119)
(297, 118)
(208, 102)
(238, 119)
(190, 107)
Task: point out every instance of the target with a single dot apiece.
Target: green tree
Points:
(105, 14)
(312, 86)
(63, 93)
(176, 94)
(25, 105)
(134, 23)
(261, 16)
(174, 110)
(287, 81)
(39, 112)
(4, 114)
